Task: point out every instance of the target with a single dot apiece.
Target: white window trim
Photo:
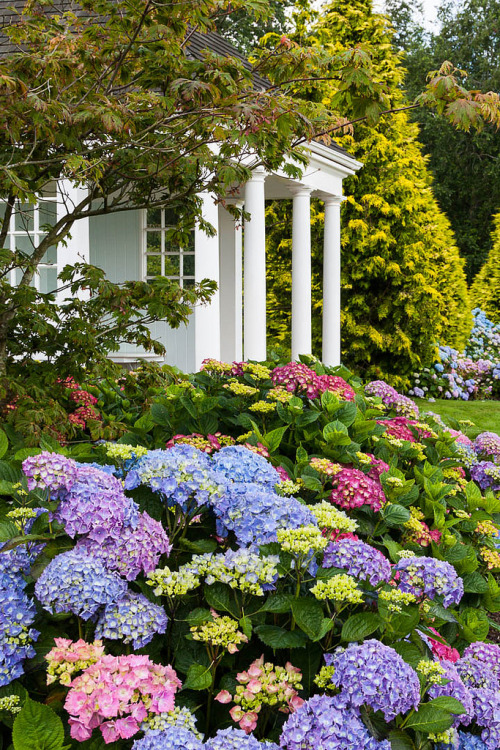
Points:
(145, 230)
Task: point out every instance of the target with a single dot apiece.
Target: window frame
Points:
(180, 253)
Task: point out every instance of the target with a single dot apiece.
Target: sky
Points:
(429, 11)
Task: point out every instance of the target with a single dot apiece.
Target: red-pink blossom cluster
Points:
(377, 467)
(442, 650)
(68, 657)
(425, 536)
(82, 398)
(353, 489)
(263, 684)
(299, 378)
(399, 428)
(81, 415)
(260, 449)
(460, 437)
(116, 694)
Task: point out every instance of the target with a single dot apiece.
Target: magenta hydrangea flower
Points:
(336, 385)
(325, 723)
(353, 489)
(358, 559)
(426, 576)
(398, 428)
(297, 378)
(50, 471)
(377, 467)
(375, 675)
(130, 551)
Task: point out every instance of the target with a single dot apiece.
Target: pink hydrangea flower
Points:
(353, 489)
(442, 650)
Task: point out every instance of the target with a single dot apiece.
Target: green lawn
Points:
(484, 414)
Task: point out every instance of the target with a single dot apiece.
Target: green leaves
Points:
(276, 637)
(4, 444)
(336, 433)
(360, 626)
(198, 677)
(435, 716)
(395, 515)
(308, 614)
(37, 727)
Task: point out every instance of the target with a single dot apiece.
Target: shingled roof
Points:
(198, 42)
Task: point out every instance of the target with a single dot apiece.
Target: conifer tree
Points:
(403, 282)
(485, 291)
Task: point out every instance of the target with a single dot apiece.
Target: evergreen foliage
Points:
(485, 291)
(403, 282)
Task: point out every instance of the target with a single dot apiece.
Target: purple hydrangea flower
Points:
(180, 475)
(476, 674)
(133, 619)
(487, 475)
(425, 576)
(50, 471)
(129, 551)
(375, 675)
(95, 504)
(254, 513)
(487, 711)
(359, 559)
(171, 738)
(324, 723)
(76, 582)
(238, 464)
(487, 445)
(485, 653)
(453, 686)
(392, 399)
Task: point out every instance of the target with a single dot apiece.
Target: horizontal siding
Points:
(115, 242)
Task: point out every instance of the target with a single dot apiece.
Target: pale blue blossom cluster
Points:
(375, 675)
(241, 569)
(254, 513)
(239, 464)
(485, 653)
(236, 739)
(426, 576)
(358, 559)
(78, 583)
(181, 475)
(171, 738)
(466, 741)
(325, 723)
(133, 619)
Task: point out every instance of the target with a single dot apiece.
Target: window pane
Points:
(188, 269)
(153, 265)
(172, 265)
(25, 218)
(48, 279)
(50, 256)
(188, 283)
(48, 214)
(154, 217)
(171, 246)
(170, 217)
(153, 242)
(50, 189)
(25, 244)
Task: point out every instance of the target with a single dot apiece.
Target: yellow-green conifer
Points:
(485, 291)
(403, 283)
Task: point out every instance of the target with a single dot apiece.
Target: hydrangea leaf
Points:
(37, 727)
(308, 614)
(360, 626)
(277, 637)
(198, 677)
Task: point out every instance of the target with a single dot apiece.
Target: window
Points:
(161, 257)
(27, 228)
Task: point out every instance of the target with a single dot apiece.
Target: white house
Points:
(134, 245)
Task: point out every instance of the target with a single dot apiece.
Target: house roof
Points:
(198, 42)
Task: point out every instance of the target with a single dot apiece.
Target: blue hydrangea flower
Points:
(239, 464)
(324, 723)
(359, 559)
(75, 582)
(172, 738)
(485, 653)
(375, 675)
(254, 513)
(96, 505)
(236, 739)
(133, 619)
(17, 613)
(180, 475)
(487, 475)
(425, 576)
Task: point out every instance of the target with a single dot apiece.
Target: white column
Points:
(207, 317)
(301, 273)
(231, 279)
(331, 282)
(255, 268)
(76, 247)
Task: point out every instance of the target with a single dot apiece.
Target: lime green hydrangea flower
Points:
(223, 631)
(341, 588)
(331, 518)
(172, 583)
(396, 598)
(302, 541)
